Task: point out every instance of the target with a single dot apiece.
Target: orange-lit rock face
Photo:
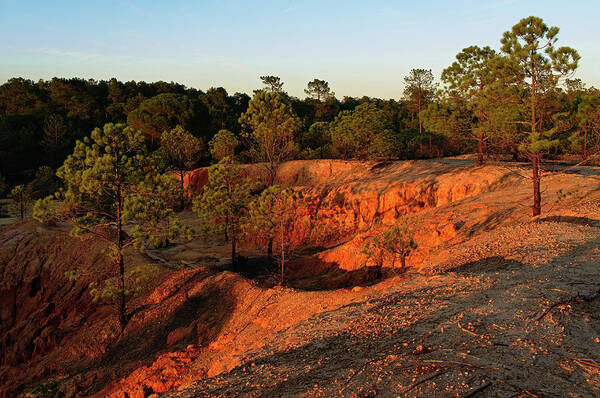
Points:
(349, 201)
(195, 180)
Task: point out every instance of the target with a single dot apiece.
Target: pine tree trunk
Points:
(418, 112)
(585, 143)
(537, 197)
(403, 261)
(233, 240)
(535, 157)
(233, 256)
(282, 255)
(21, 206)
(182, 190)
(480, 151)
(122, 304)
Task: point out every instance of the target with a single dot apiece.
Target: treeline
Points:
(40, 121)
(519, 101)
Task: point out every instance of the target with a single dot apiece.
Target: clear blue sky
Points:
(359, 47)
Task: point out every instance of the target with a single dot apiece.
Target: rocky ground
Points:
(518, 316)
(495, 303)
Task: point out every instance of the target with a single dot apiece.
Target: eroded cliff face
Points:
(41, 309)
(349, 201)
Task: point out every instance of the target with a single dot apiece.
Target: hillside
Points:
(493, 303)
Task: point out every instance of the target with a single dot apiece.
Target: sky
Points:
(359, 47)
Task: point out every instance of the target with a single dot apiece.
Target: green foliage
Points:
(47, 389)
(223, 145)
(55, 138)
(319, 90)
(45, 210)
(20, 96)
(223, 205)
(224, 200)
(353, 132)
(316, 141)
(274, 222)
(271, 125)
(101, 171)
(396, 241)
(110, 182)
(154, 222)
(467, 110)
(451, 117)
(418, 91)
(385, 145)
(273, 84)
(180, 150)
(109, 291)
(22, 198)
(162, 113)
(588, 123)
(536, 64)
(45, 182)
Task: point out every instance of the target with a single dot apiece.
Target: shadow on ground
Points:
(197, 320)
(571, 220)
(308, 273)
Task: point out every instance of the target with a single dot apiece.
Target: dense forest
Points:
(520, 101)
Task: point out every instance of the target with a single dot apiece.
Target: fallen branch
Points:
(478, 389)
(458, 363)
(363, 366)
(589, 365)
(575, 299)
(423, 380)
(469, 331)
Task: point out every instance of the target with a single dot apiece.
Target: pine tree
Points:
(319, 90)
(393, 242)
(181, 151)
(470, 83)
(22, 197)
(111, 182)
(223, 145)
(271, 124)
(537, 65)
(223, 205)
(273, 84)
(588, 122)
(418, 92)
(55, 131)
(274, 223)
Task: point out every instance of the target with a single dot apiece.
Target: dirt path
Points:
(494, 326)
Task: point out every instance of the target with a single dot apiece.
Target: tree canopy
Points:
(272, 125)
